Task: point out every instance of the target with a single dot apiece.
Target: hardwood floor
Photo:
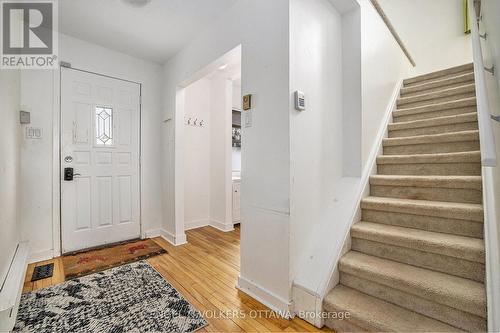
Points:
(205, 272)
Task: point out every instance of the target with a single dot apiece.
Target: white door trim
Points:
(56, 160)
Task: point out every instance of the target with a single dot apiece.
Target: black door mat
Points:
(42, 272)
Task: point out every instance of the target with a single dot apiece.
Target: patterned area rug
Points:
(129, 298)
(96, 260)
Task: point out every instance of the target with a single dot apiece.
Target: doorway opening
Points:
(210, 103)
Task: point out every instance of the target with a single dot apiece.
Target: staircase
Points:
(417, 259)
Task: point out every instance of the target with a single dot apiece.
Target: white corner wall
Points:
(10, 134)
(433, 32)
(316, 134)
(39, 211)
(207, 154)
(221, 91)
(261, 28)
(324, 201)
(197, 155)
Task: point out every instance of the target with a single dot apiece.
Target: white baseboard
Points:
(175, 240)
(280, 306)
(196, 224)
(152, 233)
(10, 294)
(40, 256)
(222, 226)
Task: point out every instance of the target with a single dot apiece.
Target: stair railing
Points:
(488, 161)
(393, 31)
(487, 139)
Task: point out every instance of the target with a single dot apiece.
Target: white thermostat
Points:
(300, 101)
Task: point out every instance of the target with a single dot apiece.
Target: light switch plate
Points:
(34, 133)
(247, 117)
(24, 117)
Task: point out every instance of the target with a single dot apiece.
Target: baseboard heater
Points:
(10, 293)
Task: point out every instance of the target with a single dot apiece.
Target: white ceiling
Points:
(155, 32)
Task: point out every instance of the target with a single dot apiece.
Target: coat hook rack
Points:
(196, 122)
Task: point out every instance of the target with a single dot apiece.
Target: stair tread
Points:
(460, 136)
(467, 248)
(439, 74)
(447, 120)
(461, 157)
(375, 314)
(453, 291)
(454, 182)
(459, 103)
(429, 96)
(439, 83)
(462, 211)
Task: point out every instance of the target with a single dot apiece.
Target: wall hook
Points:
(490, 70)
(495, 118)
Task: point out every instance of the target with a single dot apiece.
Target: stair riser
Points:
(444, 169)
(432, 148)
(447, 314)
(427, 223)
(437, 76)
(437, 86)
(434, 114)
(427, 193)
(433, 130)
(433, 296)
(437, 262)
(430, 101)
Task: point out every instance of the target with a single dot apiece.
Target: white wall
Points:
(220, 152)
(261, 28)
(491, 25)
(39, 174)
(383, 67)
(10, 132)
(197, 155)
(237, 102)
(316, 133)
(207, 154)
(323, 199)
(433, 32)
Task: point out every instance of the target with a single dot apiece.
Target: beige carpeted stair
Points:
(417, 260)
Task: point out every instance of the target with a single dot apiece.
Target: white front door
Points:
(100, 134)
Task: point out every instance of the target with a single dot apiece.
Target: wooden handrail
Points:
(486, 136)
(393, 31)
